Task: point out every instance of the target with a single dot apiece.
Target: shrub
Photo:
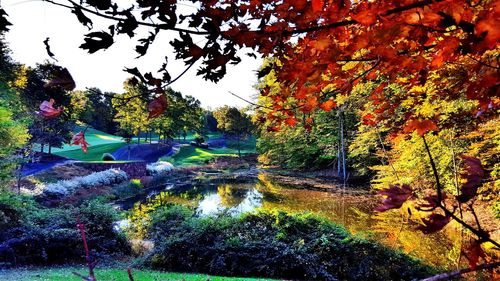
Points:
(159, 167)
(50, 236)
(13, 209)
(65, 187)
(107, 157)
(271, 244)
(135, 183)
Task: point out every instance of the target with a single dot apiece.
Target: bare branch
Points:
(458, 273)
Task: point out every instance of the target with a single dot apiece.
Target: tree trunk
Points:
(150, 137)
(339, 145)
(41, 147)
(344, 172)
(239, 150)
(139, 136)
(50, 149)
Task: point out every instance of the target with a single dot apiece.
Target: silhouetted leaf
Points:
(82, 18)
(62, 78)
(99, 4)
(96, 41)
(128, 25)
(47, 48)
(134, 71)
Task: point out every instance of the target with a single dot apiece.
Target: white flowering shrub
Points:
(65, 187)
(159, 167)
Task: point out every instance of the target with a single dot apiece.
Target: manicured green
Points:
(65, 274)
(94, 152)
(93, 137)
(192, 156)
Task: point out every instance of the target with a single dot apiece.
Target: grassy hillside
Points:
(100, 142)
(65, 274)
(192, 156)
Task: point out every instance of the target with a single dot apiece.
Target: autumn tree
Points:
(324, 48)
(234, 123)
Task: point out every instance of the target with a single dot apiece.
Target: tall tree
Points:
(99, 111)
(51, 132)
(131, 109)
(234, 123)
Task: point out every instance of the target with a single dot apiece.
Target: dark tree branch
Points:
(155, 25)
(483, 236)
(458, 273)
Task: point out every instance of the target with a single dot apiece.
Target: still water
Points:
(354, 211)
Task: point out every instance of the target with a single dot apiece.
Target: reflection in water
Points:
(229, 202)
(355, 212)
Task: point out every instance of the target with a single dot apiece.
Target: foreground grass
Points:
(65, 274)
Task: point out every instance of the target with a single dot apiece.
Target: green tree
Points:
(234, 123)
(131, 109)
(99, 111)
(52, 132)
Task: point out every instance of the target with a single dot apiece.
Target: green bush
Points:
(50, 236)
(13, 209)
(271, 244)
(107, 157)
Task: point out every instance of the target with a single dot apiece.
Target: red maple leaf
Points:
(79, 139)
(422, 126)
(472, 252)
(367, 17)
(368, 119)
(328, 105)
(434, 223)
(62, 79)
(473, 175)
(157, 106)
(395, 197)
(48, 110)
(317, 5)
(291, 121)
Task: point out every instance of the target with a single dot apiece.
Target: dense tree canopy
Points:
(339, 42)
(433, 66)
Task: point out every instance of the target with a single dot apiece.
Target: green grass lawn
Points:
(93, 137)
(191, 156)
(65, 274)
(94, 152)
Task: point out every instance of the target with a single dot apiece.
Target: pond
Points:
(354, 211)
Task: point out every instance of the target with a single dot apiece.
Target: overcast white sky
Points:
(34, 20)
